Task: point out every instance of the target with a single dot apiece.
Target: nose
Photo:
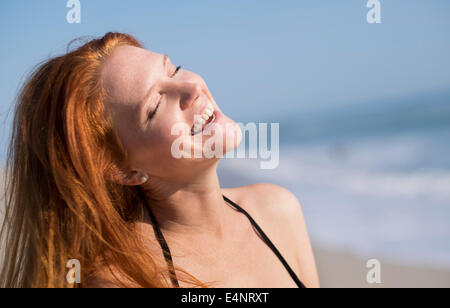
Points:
(189, 92)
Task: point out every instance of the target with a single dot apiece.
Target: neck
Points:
(189, 207)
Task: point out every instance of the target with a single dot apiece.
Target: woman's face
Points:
(156, 110)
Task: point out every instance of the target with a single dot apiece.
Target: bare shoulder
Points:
(266, 200)
(279, 213)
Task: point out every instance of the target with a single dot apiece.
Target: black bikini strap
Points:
(168, 256)
(268, 242)
(163, 243)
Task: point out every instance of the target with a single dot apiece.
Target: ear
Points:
(132, 178)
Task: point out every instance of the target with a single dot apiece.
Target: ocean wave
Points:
(379, 197)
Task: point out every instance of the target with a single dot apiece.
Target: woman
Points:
(92, 176)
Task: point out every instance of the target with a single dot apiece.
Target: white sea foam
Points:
(380, 197)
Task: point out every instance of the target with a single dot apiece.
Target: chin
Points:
(226, 134)
(232, 137)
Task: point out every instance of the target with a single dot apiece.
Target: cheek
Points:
(169, 130)
(167, 135)
(153, 153)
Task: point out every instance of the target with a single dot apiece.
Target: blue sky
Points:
(259, 58)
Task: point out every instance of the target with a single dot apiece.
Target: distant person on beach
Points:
(92, 177)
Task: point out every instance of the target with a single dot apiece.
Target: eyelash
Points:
(176, 71)
(152, 114)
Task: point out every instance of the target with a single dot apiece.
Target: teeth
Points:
(204, 117)
(209, 112)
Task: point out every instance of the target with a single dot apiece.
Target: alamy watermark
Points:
(374, 14)
(74, 272)
(74, 14)
(221, 142)
(374, 274)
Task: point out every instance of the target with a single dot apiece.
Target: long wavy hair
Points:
(62, 199)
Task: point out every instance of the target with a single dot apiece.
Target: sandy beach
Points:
(340, 269)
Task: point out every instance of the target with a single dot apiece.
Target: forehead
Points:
(129, 72)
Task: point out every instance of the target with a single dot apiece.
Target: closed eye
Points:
(176, 71)
(152, 114)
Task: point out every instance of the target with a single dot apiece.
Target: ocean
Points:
(373, 181)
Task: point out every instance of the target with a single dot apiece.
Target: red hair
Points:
(62, 201)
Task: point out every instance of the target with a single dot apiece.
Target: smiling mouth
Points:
(201, 121)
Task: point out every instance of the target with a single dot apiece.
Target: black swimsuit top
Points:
(168, 256)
